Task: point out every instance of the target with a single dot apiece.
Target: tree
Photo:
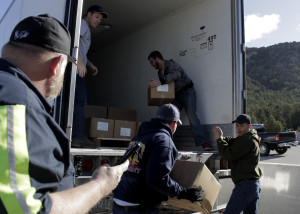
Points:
(295, 120)
(273, 125)
(273, 75)
(286, 114)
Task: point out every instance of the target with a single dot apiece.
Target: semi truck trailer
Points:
(206, 37)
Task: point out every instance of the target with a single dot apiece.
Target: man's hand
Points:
(93, 69)
(81, 69)
(82, 198)
(193, 194)
(154, 83)
(109, 177)
(218, 133)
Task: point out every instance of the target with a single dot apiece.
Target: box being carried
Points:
(161, 94)
(193, 174)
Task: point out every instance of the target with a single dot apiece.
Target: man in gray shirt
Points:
(92, 19)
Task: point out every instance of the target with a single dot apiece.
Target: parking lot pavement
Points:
(290, 157)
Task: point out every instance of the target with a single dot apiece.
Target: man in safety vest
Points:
(36, 174)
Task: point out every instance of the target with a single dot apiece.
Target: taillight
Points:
(87, 165)
(104, 161)
(277, 137)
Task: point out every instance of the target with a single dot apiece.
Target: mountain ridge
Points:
(272, 82)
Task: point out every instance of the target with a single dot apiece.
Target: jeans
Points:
(79, 112)
(244, 198)
(187, 99)
(117, 210)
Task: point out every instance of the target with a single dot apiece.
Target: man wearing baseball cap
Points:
(244, 155)
(92, 19)
(36, 174)
(147, 182)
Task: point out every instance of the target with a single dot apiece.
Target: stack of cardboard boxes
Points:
(125, 122)
(110, 122)
(106, 122)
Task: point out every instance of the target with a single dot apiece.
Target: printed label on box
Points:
(164, 88)
(102, 126)
(125, 132)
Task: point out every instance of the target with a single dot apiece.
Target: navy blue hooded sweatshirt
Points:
(147, 179)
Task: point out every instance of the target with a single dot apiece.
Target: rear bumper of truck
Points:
(294, 143)
(286, 144)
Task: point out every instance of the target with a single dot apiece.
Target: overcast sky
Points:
(267, 22)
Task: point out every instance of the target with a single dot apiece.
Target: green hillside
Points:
(273, 85)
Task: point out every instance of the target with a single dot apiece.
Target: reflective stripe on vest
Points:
(16, 192)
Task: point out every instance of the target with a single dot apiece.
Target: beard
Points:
(156, 65)
(55, 84)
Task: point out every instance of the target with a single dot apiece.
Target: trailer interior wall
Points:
(21, 9)
(204, 53)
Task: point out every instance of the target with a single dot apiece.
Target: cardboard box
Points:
(161, 95)
(99, 127)
(124, 129)
(137, 126)
(95, 111)
(115, 113)
(192, 174)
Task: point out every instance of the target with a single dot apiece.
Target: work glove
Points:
(193, 194)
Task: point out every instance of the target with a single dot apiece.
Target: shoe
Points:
(83, 143)
(207, 147)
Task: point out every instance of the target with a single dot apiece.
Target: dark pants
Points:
(79, 113)
(244, 198)
(117, 209)
(187, 100)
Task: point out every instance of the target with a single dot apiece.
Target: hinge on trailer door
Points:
(77, 165)
(244, 94)
(243, 47)
(75, 53)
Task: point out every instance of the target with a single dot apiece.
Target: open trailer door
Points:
(65, 102)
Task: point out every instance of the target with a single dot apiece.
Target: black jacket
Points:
(243, 154)
(34, 150)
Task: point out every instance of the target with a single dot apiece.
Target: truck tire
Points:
(281, 150)
(264, 149)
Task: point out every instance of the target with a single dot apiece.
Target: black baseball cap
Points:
(98, 9)
(243, 118)
(168, 112)
(43, 31)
